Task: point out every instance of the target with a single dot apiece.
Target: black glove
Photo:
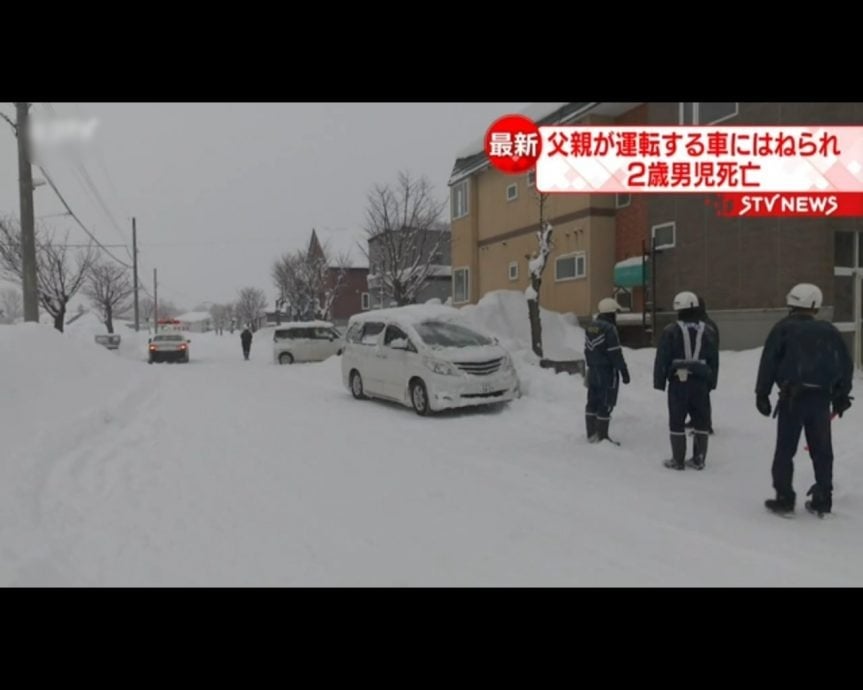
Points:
(841, 404)
(762, 402)
(624, 375)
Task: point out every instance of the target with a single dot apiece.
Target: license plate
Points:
(487, 388)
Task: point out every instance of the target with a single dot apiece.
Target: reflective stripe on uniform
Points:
(687, 343)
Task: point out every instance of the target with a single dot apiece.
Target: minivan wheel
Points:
(357, 385)
(286, 358)
(420, 398)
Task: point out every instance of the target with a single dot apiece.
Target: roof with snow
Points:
(632, 261)
(472, 158)
(194, 317)
(434, 271)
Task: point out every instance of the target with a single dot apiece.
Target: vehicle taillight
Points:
(153, 348)
(183, 346)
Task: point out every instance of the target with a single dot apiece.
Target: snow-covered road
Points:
(225, 472)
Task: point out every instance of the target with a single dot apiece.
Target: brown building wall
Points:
(747, 263)
(349, 300)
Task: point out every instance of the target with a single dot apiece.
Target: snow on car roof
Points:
(301, 324)
(413, 314)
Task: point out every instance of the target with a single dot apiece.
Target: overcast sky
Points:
(220, 190)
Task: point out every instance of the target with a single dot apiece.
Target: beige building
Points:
(495, 218)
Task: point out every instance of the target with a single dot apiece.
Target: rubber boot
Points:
(699, 451)
(590, 425)
(678, 452)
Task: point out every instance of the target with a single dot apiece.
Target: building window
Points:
(458, 200)
(365, 301)
(512, 192)
(513, 270)
(570, 266)
(622, 200)
(461, 285)
(624, 298)
(846, 252)
(531, 179)
(707, 113)
(665, 235)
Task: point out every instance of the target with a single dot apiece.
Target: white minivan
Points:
(426, 357)
(305, 341)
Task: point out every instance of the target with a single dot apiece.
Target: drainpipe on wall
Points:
(653, 291)
(858, 317)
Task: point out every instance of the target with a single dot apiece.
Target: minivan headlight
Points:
(439, 367)
(507, 363)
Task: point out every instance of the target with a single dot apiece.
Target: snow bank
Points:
(503, 313)
(52, 380)
(87, 326)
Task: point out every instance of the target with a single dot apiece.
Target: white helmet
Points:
(685, 300)
(609, 305)
(805, 296)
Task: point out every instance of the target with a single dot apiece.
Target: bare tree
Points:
(308, 282)
(251, 303)
(536, 266)
(219, 315)
(59, 278)
(109, 289)
(145, 308)
(404, 234)
(11, 305)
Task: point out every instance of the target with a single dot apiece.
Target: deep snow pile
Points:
(86, 326)
(504, 313)
(52, 381)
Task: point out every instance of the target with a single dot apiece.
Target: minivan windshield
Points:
(448, 334)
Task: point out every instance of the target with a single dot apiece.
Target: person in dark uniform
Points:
(702, 314)
(687, 359)
(810, 364)
(246, 340)
(605, 368)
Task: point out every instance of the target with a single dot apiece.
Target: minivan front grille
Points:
(480, 368)
(493, 394)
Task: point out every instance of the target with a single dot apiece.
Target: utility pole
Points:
(29, 283)
(155, 304)
(135, 272)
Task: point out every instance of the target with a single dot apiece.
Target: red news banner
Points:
(804, 171)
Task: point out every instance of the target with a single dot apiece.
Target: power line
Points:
(102, 165)
(77, 220)
(89, 186)
(94, 192)
(72, 245)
